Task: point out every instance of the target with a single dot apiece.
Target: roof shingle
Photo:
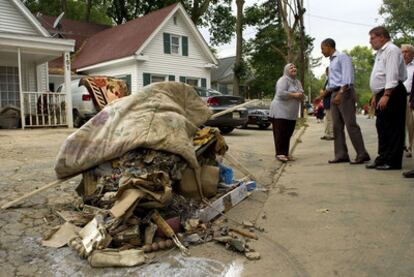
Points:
(120, 41)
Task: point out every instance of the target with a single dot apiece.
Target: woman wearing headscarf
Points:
(284, 110)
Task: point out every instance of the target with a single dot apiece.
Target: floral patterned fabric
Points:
(163, 116)
(112, 88)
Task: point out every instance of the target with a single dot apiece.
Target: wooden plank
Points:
(224, 203)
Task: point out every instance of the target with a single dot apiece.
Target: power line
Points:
(339, 20)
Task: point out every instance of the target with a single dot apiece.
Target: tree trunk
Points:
(64, 6)
(198, 9)
(239, 45)
(88, 10)
(303, 66)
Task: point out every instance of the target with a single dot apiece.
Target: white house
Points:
(222, 76)
(160, 46)
(25, 49)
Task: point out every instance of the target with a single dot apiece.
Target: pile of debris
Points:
(151, 180)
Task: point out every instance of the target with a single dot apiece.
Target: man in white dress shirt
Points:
(390, 100)
(408, 53)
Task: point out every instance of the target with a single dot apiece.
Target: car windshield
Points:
(213, 92)
(203, 92)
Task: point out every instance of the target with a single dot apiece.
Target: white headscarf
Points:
(295, 82)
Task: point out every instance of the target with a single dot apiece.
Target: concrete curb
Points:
(297, 139)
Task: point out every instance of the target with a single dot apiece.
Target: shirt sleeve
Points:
(347, 70)
(392, 69)
(282, 87)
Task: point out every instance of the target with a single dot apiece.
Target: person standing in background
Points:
(407, 51)
(326, 96)
(341, 80)
(390, 100)
(284, 110)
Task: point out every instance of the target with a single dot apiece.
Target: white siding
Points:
(116, 71)
(42, 77)
(177, 65)
(13, 21)
(30, 83)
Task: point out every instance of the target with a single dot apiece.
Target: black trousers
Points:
(390, 125)
(282, 132)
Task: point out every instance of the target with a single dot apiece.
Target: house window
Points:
(127, 79)
(175, 44)
(192, 82)
(175, 20)
(9, 86)
(157, 78)
(223, 88)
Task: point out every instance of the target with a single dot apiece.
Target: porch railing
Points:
(44, 109)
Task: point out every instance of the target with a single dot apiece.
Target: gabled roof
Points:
(30, 17)
(71, 29)
(120, 41)
(126, 40)
(224, 70)
(79, 31)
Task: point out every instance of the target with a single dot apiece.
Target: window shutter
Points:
(184, 41)
(204, 82)
(167, 43)
(127, 80)
(147, 79)
(182, 79)
(171, 78)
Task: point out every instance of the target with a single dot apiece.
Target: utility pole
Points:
(239, 38)
(301, 11)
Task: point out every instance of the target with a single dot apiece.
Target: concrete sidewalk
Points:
(336, 219)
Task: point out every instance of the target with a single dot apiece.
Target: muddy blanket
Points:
(163, 116)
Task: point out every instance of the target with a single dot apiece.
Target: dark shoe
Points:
(372, 165)
(337, 161)
(387, 167)
(324, 137)
(409, 174)
(329, 138)
(360, 160)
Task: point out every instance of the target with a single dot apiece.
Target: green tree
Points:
(266, 64)
(213, 14)
(399, 19)
(216, 15)
(267, 52)
(363, 61)
(89, 10)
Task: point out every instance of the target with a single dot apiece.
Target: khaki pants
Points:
(328, 124)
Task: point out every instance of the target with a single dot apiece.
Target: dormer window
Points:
(175, 44)
(175, 20)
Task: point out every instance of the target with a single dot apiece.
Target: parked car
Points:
(218, 102)
(259, 117)
(82, 105)
(92, 93)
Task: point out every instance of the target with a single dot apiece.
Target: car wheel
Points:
(264, 126)
(77, 120)
(226, 130)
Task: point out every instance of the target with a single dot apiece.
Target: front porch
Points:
(25, 99)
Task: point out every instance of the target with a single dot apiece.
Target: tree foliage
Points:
(363, 61)
(267, 63)
(399, 19)
(216, 15)
(76, 10)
